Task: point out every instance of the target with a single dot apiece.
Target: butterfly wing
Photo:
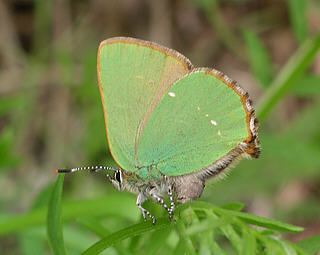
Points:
(133, 76)
(202, 118)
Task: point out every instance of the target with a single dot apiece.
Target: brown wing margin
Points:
(167, 51)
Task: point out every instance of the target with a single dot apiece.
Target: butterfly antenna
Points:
(86, 168)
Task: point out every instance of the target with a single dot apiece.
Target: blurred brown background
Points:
(51, 114)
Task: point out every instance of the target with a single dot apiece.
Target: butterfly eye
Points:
(118, 176)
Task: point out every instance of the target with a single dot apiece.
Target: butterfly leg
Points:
(170, 194)
(161, 202)
(140, 199)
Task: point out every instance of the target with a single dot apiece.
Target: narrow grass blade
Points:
(227, 37)
(229, 232)
(297, 13)
(54, 219)
(249, 243)
(134, 230)
(293, 70)
(259, 59)
(265, 222)
(96, 227)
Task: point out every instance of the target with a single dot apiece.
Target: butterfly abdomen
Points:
(188, 188)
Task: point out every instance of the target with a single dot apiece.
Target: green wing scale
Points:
(167, 118)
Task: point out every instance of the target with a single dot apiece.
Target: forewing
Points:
(201, 118)
(133, 76)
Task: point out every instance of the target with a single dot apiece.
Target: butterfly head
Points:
(117, 180)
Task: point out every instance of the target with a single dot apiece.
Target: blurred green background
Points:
(51, 115)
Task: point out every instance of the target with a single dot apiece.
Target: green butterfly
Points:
(170, 126)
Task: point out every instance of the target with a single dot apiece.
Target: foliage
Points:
(54, 221)
(51, 116)
(193, 225)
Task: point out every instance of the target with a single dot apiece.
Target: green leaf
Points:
(120, 205)
(298, 125)
(311, 244)
(54, 219)
(43, 197)
(265, 222)
(204, 226)
(288, 75)
(297, 13)
(259, 59)
(308, 85)
(7, 104)
(249, 246)
(234, 206)
(157, 240)
(287, 247)
(230, 233)
(180, 248)
(31, 245)
(186, 240)
(134, 230)
(8, 158)
(95, 226)
(248, 218)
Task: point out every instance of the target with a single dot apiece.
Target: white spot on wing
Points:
(213, 122)
(171, 94)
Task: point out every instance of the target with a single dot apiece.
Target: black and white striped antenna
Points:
(86, 168)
